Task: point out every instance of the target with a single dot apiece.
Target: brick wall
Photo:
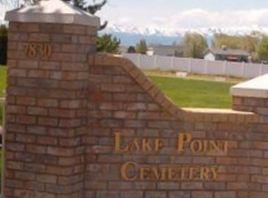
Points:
(123, 99)
(63, 112)
(46, 117)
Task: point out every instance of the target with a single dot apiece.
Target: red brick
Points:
(21, 100)
(202, 194)
(38, 74)
(62, 113)
(29, 64)
(39, 37)
(46, 121)
(136, 106)
(43, 140)
(47, 178)
(25, 138)
(37, 111)
(14, 109)
(225, 194)
(28, 27)
(17, 72)
(47, 102)
(49, 65)
(112, 88)
(36, 149)
(74, 29)
(25, 119)
(156, 194)
(60, 151)
(70, 104)
(70, 122)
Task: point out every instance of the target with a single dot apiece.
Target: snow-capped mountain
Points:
(132, 35)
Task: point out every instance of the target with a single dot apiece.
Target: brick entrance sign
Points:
(86, 125)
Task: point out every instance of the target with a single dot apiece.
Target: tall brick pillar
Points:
(46, 117)
(252, 96)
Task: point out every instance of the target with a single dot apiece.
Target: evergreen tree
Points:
(92, 9)
(141, 47)
(107, 43)
(131, 49)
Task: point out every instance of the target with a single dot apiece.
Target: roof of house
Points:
(234, 52)
(165, 49)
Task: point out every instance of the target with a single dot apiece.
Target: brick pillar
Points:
(251, 104)
(46, 116)
(252, 96)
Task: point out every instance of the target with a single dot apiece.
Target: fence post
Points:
(261, 69)
(190, 66)
(243, 69)
(139, 60)
(225, 68)
(206, 67)
(155, 59)
(172, 60)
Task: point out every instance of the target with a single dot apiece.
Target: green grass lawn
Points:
(2, 80)
(195, 93)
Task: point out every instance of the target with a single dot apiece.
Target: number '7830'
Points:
(41, 50)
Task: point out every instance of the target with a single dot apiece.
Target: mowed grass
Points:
(195, 93)
(2, 89)
(3, 74)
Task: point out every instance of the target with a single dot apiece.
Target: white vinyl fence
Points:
(197, 66)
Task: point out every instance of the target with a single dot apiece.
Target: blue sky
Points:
(172, 15)
(190, 4)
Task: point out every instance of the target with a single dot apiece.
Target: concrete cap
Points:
(257, 87)
(52, 11)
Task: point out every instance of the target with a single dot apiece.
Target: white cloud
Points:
(172, 21)
(189, 19)
(3, 8)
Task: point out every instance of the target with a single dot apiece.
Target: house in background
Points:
(226, 54)
(165, 50)
(122, 49)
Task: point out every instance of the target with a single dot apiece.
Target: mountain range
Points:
(132, 35)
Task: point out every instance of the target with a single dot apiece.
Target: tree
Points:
(262, 49)
(194, 45)
(141, 47)
(92, 9)
(131, 49)
(246, 42)
(107, 43)
(3, 45)
(249, 42)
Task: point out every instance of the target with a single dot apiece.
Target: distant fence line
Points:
(198, 66)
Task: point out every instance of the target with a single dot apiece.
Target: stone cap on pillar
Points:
(257, 88)
(52, 11)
